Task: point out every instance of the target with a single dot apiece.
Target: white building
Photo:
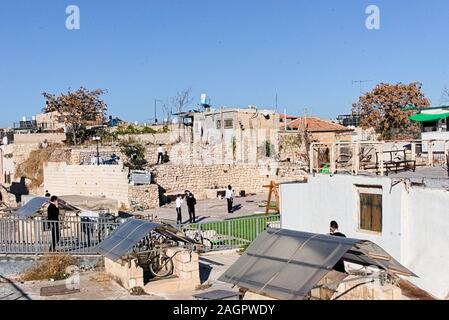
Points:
(406, 213)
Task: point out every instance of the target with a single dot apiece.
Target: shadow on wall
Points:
(18, 189)
(163, 199)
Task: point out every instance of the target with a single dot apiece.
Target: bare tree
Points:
(180, 102)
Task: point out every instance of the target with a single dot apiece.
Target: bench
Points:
(397, 160)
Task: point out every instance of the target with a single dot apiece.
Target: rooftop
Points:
(431, 177)
(315, 124)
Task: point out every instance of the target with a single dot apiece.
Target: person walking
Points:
(47, 194)
(160, 154)
(179, 202)
(53, 218)
(191, 203)
(230, 198)
(333, 228)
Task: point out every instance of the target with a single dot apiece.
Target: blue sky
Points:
(239, 52)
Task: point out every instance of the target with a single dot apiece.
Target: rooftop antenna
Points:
(360, 82)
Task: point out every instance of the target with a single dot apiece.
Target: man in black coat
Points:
(191, 203)
(53, 218)
(340, 265)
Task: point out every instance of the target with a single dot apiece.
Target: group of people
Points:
(191, 203)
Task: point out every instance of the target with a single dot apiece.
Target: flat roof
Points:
(429, 177)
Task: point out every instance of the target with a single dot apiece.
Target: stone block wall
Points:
(128, 275)
(186, 265)
(146, 196)
(248, 177)
(39, 138)
(97, 181)
(84, 155)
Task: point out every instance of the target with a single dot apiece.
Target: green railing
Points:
(230, 233)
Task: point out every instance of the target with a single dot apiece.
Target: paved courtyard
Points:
(214, 209)
(96, 285)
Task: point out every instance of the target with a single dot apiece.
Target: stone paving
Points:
(96, 285)
(214, 209)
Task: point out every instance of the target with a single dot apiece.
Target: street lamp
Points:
(155, 109)
(97, 139)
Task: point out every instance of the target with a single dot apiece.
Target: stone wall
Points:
(248, 177)
(146, 196)
(85, 154)
(128, 275)
(39, 138)
(97, 181)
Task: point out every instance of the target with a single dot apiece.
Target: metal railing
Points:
(230, 233)
(34, 236)
(373, 156)
(39, 236)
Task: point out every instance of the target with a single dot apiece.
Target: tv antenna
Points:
(360, 82)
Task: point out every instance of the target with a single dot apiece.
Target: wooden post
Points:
(430, 153)
(356, 158)
(381, 161)
(332, 158)
(273, 188)
(311, 159)
(446, 150)
(414, 151)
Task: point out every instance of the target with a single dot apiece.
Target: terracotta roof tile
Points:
(316, 125)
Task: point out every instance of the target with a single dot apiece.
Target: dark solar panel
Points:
(279, 256)
(32, 207)
(125, 237)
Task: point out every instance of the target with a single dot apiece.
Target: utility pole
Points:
(155, 109)
(360, 82)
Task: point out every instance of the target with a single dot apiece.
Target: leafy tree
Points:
(384, 109)
(79, 109)
(135, 154)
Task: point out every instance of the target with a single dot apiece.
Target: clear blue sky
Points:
(238, 51)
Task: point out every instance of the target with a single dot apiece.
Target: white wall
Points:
(94, 181)
(428, 239)
(415, 226)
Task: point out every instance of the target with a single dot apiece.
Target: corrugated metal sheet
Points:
(286, 264)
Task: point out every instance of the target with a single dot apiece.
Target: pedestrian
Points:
(47, 194)
(53, 218)
(160, 154)
(230, 198)
(191, 203)
(179, 202)
(333, 228)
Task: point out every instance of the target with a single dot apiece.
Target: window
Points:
(229, 124)
(218, 124)
(370, 207)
